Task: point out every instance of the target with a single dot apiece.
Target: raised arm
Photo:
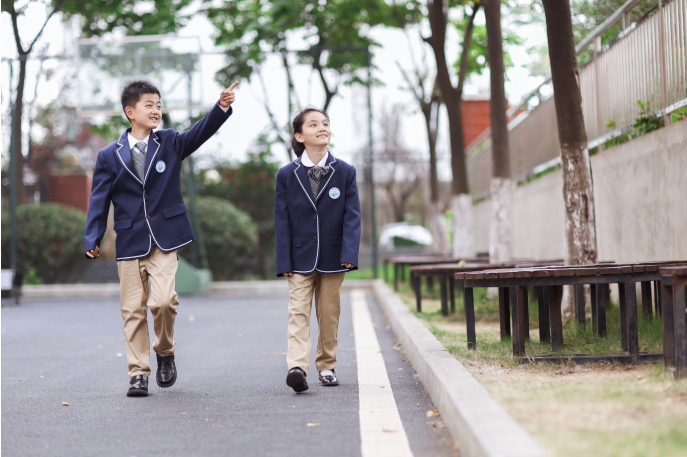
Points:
(98, 207)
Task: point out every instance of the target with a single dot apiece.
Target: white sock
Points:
(326, 373)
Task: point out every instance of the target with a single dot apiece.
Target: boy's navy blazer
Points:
(316, 233)
(152, 211)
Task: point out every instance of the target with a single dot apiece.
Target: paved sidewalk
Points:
(230, 397)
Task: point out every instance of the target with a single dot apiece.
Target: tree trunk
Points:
(500, 228)
(437, 222)
(18, 114)
(578, 191)
(463, 240)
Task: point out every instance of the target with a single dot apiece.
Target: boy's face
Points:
(146, 113)
(315, 130)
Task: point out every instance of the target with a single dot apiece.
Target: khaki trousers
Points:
(327, 291)
(160, 269)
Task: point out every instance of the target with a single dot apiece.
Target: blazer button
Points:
(148, 216)
(314, 216)
(145, 195)
(314, 237)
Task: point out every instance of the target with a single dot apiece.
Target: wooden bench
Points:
(401, 262)
(548, 283)
(674, 285)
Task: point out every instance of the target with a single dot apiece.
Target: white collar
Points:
(307, 161)
(133, 141)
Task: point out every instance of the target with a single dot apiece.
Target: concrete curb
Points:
(112, 290)
(477, 421)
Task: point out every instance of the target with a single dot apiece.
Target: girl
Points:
(317, 225)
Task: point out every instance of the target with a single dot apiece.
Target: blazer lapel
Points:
(151, 153)
(331, 160)
(302, 175)
(124, 154)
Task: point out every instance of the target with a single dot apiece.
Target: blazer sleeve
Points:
(99, 204)
(282, 226)
(351, 221)
(188, 142)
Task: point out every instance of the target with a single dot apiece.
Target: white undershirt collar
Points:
(133, 141)
(307, 161)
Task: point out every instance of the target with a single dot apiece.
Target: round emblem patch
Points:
(160, 166)
(334, 193)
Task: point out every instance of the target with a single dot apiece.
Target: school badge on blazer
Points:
(160, 166)
(334, 193)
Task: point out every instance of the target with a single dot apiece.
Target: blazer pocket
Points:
(122, 224)
(297, 241)
(174, 210)
(335, 240)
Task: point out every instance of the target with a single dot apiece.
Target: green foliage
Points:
(111, 128)
(250, 187)
(249, 29)
(646, 122)
(231, 238)
(49, 241)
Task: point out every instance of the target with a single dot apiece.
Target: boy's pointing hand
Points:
(227, 97)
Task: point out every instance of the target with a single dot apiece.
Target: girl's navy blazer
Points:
(316, 233)
(151, 211)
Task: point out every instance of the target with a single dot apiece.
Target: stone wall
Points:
(640, 189)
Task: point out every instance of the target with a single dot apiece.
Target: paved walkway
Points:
(230, 398)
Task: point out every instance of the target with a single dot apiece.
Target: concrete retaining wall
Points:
(640, 190)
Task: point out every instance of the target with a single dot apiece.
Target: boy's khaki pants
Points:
(160, 269)
(327, 291)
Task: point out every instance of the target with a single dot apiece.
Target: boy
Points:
(141, 175)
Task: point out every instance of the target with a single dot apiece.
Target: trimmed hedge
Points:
(49, 241)
(231, 238)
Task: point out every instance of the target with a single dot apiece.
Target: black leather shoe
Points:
(166, 371)
(329, 379)
(139, 386)
(296, 380)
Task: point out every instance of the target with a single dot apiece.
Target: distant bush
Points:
(231, 238)
(49, 241)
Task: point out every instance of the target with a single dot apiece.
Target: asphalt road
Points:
(230, 398)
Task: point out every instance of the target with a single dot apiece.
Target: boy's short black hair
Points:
(133, 91)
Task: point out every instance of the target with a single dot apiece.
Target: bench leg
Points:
(601, 310)
(658, 296)
(622, 305)
(668, 317)
(396, 277)
(555, 298)
(403, 273)
(444, 296)
(517, 310)
(595, 317)
(504, 312)
(526, 312)
(544, 322)
(579, 304)
(646, 299)
(679, 323)
(632, 338)
(386, 264)
(452, 293)
(417, 284)
(469, 302)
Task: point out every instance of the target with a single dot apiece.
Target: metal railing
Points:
(647, 63)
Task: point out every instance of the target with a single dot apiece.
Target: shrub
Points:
(49, 241)
(231, 238)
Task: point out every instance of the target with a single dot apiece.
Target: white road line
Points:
(381, 429)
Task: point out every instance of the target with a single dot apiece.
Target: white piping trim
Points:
(145, 212)
(317, 257)
(330, 178)
(122, 160)
(302, 187)
(334, 271)
(145, 178)
(150, 246)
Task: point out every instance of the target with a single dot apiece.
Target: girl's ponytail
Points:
(297, 125)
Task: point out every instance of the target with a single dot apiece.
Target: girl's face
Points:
(315, 131)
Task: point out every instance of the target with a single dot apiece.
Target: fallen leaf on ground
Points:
(432, 413)
(377, 411)
(400, 377)
(313, 424)
(375, 325)
(381, 387)
(119, 354)
(80, 363)
(438, 424)
(64, 403)
(274, 353)
(20, 379)
(191, 318)
(403, 352)
(386, 430)
(418, 404)
(388, 327)
(240, 336)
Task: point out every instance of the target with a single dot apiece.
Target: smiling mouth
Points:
(322, 136)
(154, 119)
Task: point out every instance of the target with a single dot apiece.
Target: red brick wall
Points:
(72, 190)
(475, 119)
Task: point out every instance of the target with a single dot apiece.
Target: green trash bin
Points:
(191, 280)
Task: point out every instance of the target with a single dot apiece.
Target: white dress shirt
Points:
(307, 161)
(133, 141)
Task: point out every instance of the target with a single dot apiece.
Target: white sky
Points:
(348, 110)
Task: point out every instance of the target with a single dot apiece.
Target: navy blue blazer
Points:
(152, 211)
(316, 233)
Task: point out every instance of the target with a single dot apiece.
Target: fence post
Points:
(666, 116)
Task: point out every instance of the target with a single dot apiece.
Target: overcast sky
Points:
(348, 110)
